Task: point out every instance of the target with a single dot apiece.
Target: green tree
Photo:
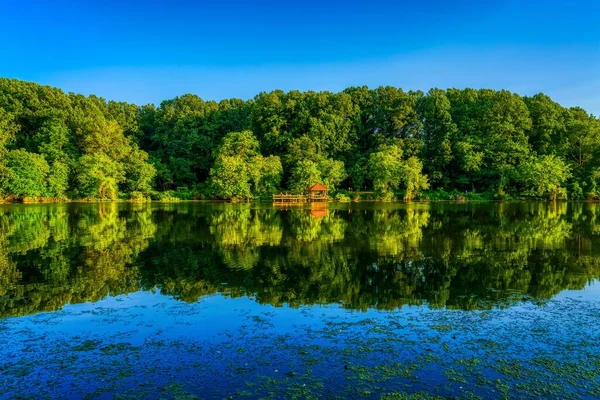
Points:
(385, 169)
(548, 130)
(240, 169)
(25, 174)
(265, 173)
(183, 134)
(98, 177)
(7, 129)
(53, 141)
(332, 173)
(438, 133)
(58, 180)
(230, 179)
(305, 174)
(139, 173)
(414, 178)
(308, 172)
(545, 176)
(464, 139)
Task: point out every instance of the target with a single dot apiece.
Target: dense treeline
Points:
(442, 143)
(443, 255)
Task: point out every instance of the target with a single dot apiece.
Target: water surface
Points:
(369, 300)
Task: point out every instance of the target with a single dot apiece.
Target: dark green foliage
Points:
(54, 145)
(438, 133)
(463, 140)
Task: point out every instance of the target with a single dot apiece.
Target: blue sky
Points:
(148, 51)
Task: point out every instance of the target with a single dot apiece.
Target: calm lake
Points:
(367, 300)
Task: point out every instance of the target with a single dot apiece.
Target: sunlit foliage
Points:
(400, 145)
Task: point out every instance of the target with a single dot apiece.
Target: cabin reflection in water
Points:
(319, 213)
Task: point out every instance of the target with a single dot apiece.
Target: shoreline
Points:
(424, 201)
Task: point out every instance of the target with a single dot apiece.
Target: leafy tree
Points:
(305, 174)
(438, 133)
(545, 176)
(548, 130)
(332, 172)
(414, 179)
(239, 168)
(25, 174)
(53, 141)
(358, 173)
(583, 133)
(385, 169)
(58, 180)
(107, 138)
(308, 172)
(98, 176)
(265, 174)
(230, 179)
(139, 173)
(239, 144)
(324, 118)
(183, 136)
(491, 137)
(126, 115)
(7, 129)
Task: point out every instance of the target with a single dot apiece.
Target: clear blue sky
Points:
(148, 51)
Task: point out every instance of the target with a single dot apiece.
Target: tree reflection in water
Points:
(467, 256)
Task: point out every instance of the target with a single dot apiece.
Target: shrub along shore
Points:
(362, 144)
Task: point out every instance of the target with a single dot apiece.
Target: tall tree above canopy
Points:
(384, 114)
(270, 120)
(493, 126)
(184, 139)
(394, 114)
(325, 118)
(548, 129)
(583, 150)
(438, 132)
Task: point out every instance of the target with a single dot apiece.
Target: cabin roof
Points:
(317, 187)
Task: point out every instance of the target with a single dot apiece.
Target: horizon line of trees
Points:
(385, 140)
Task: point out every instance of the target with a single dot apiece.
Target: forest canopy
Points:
(384, 141)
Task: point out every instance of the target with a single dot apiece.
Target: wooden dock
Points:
(284, 198)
